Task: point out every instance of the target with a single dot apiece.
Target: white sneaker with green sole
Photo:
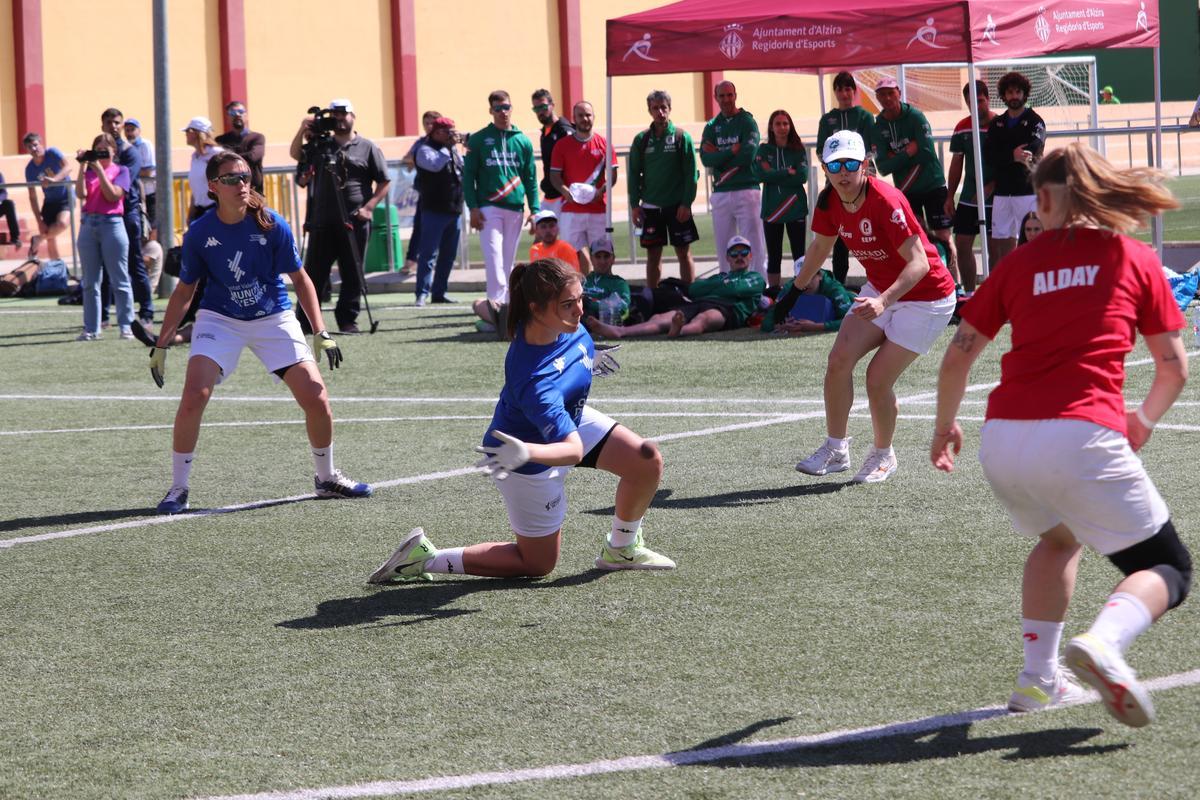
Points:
(634, 556)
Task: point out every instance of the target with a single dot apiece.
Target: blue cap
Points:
(133, 122)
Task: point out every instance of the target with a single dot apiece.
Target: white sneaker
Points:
(1101, 666)
(827, 459)
(1034, 694)
(87, 337)
(126, 332)
(878, 466)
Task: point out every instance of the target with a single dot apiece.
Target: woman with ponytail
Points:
(542, 427)
(242, 251)
(1058, 445)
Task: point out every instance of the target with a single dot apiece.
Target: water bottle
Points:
(609, 313)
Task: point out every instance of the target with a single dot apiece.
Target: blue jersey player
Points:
(243, 249)
(542, 427)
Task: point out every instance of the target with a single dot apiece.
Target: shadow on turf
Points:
(64, 332)
(109, 515)
(422, 602)
(727, 499)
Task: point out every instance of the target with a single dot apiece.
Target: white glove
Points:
(500, 460)
(605, 364)
(582, 193)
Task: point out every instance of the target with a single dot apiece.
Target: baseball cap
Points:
(887, 83)
(736, 240)
(844, 144)
(442, 122)
(132, 121)
(342, 103)
(603, 244)
(1107, 89)
(202, 124)
(544, 215)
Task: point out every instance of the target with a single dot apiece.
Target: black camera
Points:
(93, 155)
(324, 123)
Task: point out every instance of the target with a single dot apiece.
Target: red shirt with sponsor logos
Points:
(874, 234)
(1076, 298)
(578, 162)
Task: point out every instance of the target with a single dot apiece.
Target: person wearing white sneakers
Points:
(1058, 445)
(243, 249)
(541, 428)
(900, 312)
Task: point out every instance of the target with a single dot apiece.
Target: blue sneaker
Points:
(341, 486)
(176, 501)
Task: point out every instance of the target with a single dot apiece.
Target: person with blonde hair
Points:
(1059, 445)
(199, 132)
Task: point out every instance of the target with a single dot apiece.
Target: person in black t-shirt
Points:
(1015, 141)
(248, 144)
(553, 128)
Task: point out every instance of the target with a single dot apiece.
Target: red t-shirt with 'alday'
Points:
(1076, 298)
(874, 234)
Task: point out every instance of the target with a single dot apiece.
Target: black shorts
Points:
(660, 225)
(932, 205)
(51, 209)
(966, 220)
(692, 310)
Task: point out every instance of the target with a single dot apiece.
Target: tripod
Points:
(329, 159)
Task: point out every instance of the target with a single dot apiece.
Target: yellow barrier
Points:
(276, 188)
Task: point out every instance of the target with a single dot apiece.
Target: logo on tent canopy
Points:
(640, 48)
(731, 45)
(1143, 21)
(926, 35)
(989, 32)
(1041, 27)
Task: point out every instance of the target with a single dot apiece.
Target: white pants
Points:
(736, 213)
(499, 239)
(581, 230)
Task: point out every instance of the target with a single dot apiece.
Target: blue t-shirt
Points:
(51, 164)
(545, 389)
(244, 265)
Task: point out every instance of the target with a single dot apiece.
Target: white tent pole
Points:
(608, 157)
(980, 200)
(902, 79)
(821, 89)
(1098, 142)
(1156, 224)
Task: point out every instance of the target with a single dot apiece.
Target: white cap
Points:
(844, 144)
(543, 215)
(887, 83)
(202, 124)
(736, 240)
(343, 103)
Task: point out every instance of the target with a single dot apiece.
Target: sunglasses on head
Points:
(738, 252)
(234, 178)
(502, 107)
(851, 165)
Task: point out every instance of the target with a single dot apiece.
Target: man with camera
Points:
(349, 180)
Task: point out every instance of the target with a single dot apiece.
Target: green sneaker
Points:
(408, 562)
(634, 556)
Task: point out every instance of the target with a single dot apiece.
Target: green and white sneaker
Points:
(1034, 694)
(634, 556)
(408, 562)
(1101, 666)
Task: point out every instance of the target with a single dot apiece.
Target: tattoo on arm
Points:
(963, 341)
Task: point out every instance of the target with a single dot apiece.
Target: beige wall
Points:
(9, 135)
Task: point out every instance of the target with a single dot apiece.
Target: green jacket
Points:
(855, 118)
(741, 288)
(596, 287)
(731, 172)
(499, 170)
(913, 174)
(662, 169)
(784, 196)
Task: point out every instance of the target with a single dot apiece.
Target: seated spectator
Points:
(10, 213)
(152, 256)
(823, 285)
(720, 302)
(602, 290)
(547, 244)
(1031, 228)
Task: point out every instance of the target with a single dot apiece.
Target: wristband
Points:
(1142, 418)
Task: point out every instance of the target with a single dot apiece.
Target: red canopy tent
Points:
(815, 35)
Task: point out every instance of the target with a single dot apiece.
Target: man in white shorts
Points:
(1015, 141)
(577, 172)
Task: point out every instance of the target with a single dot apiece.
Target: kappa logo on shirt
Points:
(212, 242)
(560, 363)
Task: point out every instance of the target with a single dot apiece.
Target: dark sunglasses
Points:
(738, 252)
(236, 112)
(851, 165)
(234, 178)
(541, 107)
(503, 107)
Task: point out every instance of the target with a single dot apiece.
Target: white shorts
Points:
(1007, 213)
(913, 324)
(554, 204)
(1080, 474)
(580, 230)
(277, 340)
(537, 504)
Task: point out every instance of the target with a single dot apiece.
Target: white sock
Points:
(838, 444)
(1041, 640)
(181, 468)
(886, 452)
(323, 461)
(447, 562)
(1123, 619)
(623, 533)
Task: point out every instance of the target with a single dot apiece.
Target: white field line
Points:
(679, 758)
(283, 398)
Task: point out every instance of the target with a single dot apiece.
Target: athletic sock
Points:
(886, 452)
(181, 468)
(623, 533)
(838, 444)
(323, 461)
(1123, 619)
(447, 562)
(1041, 640)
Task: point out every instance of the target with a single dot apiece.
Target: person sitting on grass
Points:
(547, 244)
(824, 285)
(720, 302)
(601, 285)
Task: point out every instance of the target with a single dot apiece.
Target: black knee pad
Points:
(1164, 554)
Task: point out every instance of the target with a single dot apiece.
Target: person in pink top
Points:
(900, 312)
(103, 244)
(1058, 445)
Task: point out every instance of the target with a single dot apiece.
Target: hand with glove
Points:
(323, 344)
(499, 460)
(158, 364)
(605, 364)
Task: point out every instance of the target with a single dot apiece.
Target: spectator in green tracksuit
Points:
(499, 177)
(825, 285)
(662, 187)
(848, 116)
(720, 302)
(601, 287)
(962, 170)
(781, 163)
(727, 149)
(904, 148)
